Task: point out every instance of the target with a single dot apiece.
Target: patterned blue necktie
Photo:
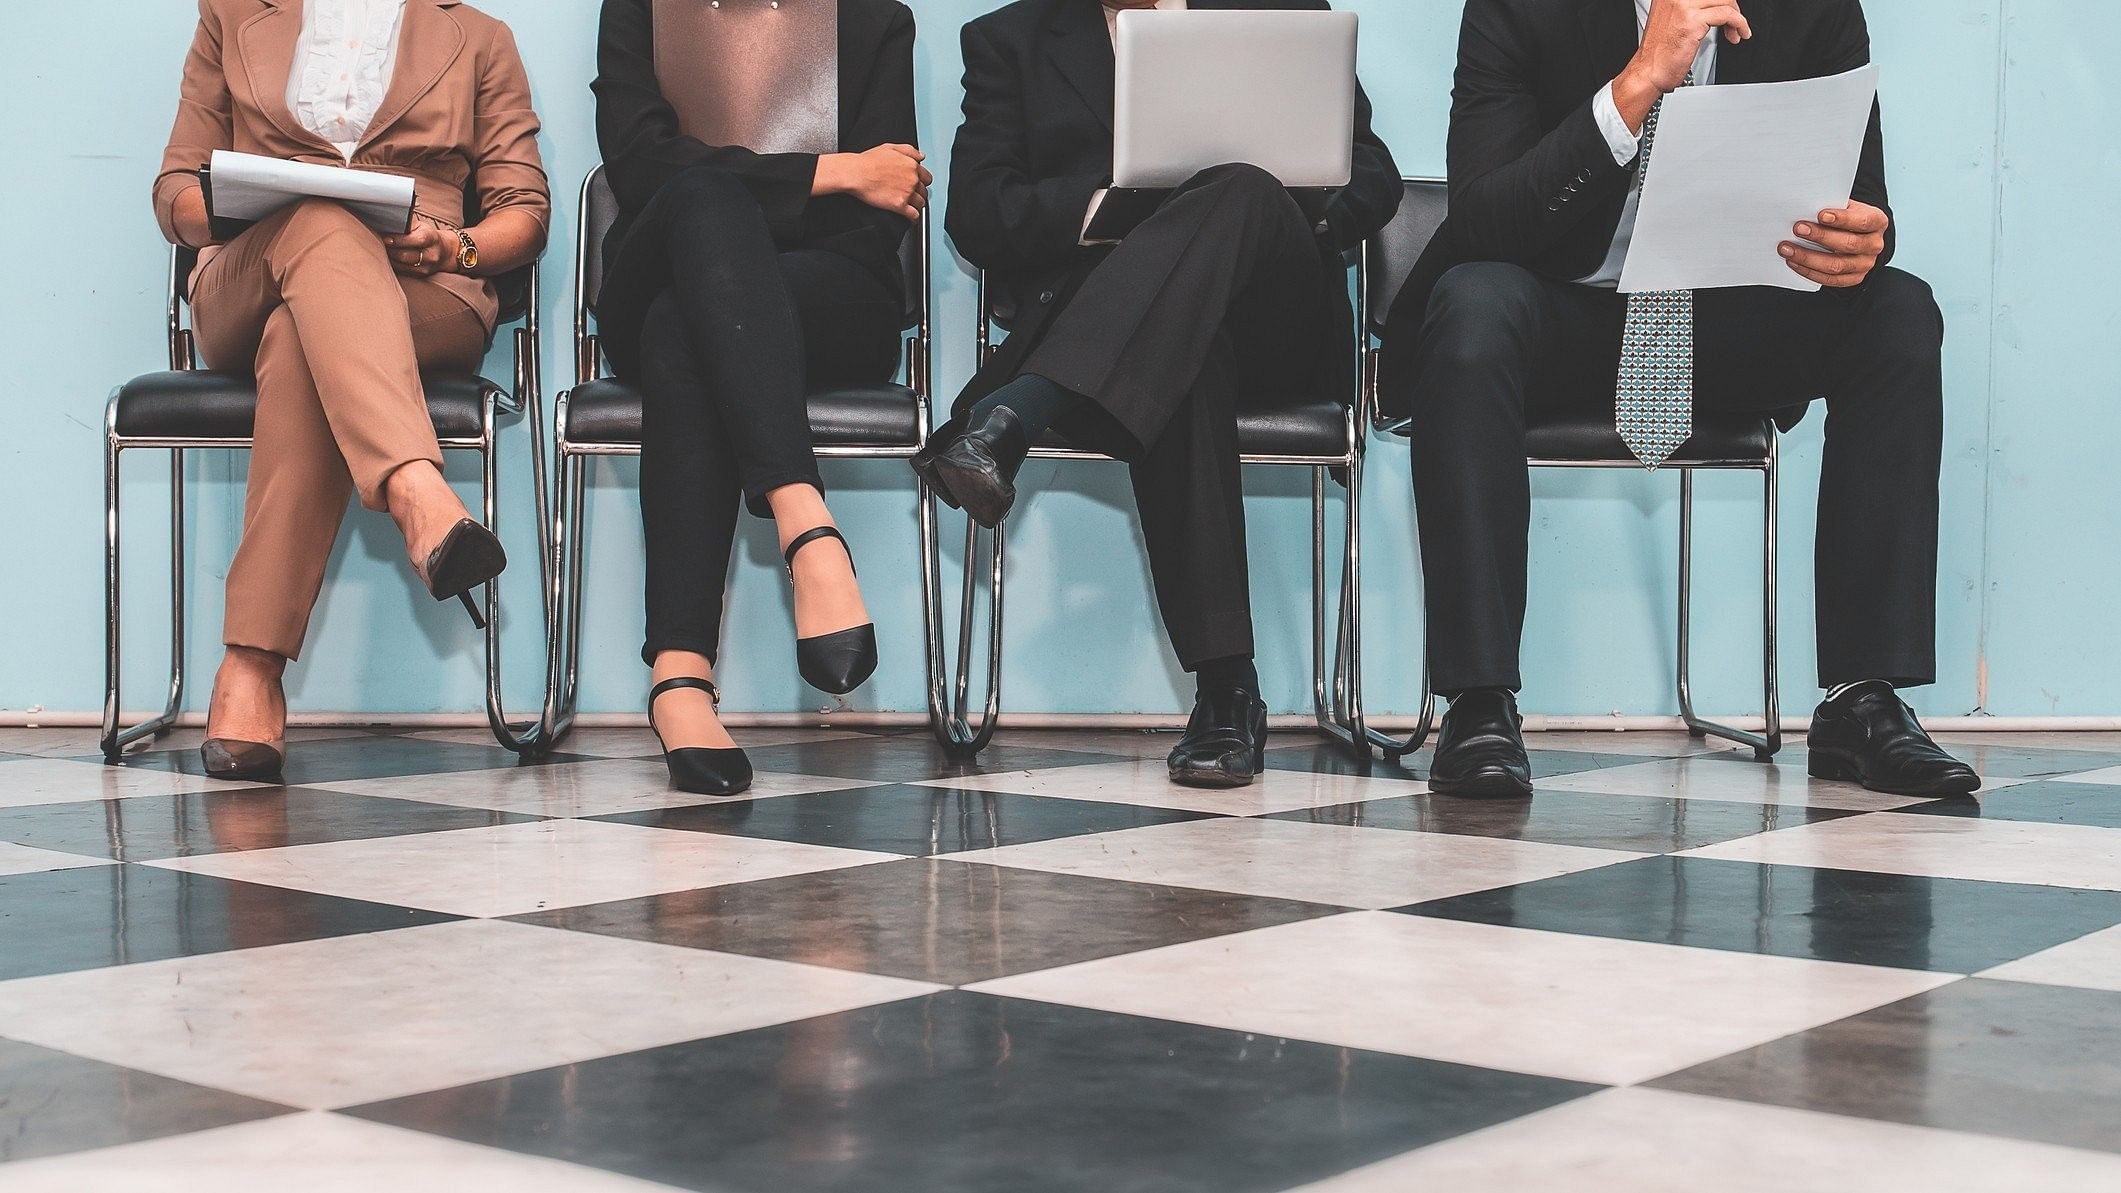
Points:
(1653, 407)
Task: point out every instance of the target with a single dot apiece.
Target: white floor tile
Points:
(21, 859)
(2070, 855)
(601, 788)
(1583, 1008)
(514, 869)
(313, 1153)
(1651, 1141)
(339, 1022)
(2111, 775)
(1318, 863)
(1147, 782)
(63, 781)
(2091, 961)
(1733, 778)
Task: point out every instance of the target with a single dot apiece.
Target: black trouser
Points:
(1219, 301)
(728, 348)
(1500, 346)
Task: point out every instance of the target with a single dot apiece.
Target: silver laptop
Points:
(1197, 89)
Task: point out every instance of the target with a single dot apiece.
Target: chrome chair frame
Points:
(521, 736)
(571, 478)
(1764, 745)
(1336, 698)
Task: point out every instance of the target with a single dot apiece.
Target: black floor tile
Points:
(907, 819)
(2043, 801)
(1637, 823)
(1322, 757)
(911, 758)
(1992, 1058)
(933, 920)
(52, 1103)
(228, 821)
(96, 916)
(961, 1091)
(1945, 924)
(341, 759)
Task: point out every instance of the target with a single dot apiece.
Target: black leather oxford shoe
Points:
(1870, 735)
(1480, 751)
(975, 470)
(1226, 740)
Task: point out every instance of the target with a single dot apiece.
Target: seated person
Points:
(1226, 297)
(1513, 315)
(336, 322)
(738, 280)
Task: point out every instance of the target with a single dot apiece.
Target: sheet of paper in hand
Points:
(243, 188)
(1733, 169)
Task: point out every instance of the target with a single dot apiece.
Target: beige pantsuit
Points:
(308, 301)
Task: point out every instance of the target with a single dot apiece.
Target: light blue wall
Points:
(2000, 119)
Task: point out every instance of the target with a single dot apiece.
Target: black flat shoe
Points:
(698, 770)
(1480, 751)
(229, 758)
(976, 471)
(1225, 743)
(1870, 736)
(843, 660)
(469, 555)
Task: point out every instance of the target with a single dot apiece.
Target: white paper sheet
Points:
(1733, 168)
(249, 187)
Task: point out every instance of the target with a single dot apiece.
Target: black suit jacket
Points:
(1532, 179)
(638, 132)
(1036, 144)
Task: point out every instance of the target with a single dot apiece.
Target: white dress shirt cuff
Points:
(1618, 138)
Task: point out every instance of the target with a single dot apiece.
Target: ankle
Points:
(797, 509)
(1231, 671)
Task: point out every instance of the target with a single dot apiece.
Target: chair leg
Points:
(1764, 746)
(956, 732)
(114, 738)
(1395, 749)
(527, 736)
(563, 674)
(1343, 720)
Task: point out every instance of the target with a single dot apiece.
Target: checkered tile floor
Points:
(421, 966)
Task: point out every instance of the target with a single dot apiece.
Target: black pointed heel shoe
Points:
(695, 769)
(468, 556)
(843, 660)
(235, 760)
(976, 471)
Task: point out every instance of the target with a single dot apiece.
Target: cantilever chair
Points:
(188, 408)
(1323, 436)
(601, 416)
(1726, 442)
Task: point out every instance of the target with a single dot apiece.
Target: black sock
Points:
(1231, 671)
(1035, 401)
(1842, 689)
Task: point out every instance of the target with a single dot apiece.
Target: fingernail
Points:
(1804, 229)
(1787, 250)
(1830, 217)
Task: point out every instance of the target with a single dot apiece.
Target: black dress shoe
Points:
(975, 470)
(698, 770)
(1870, 735)
(1226, 740)
(1480, 751)
(233, 760)
(842, 660)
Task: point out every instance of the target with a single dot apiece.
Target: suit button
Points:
(1045, 298)
(1553, 207)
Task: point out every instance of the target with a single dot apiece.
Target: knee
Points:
(1480, 314)
(708, 190)
(314, 221)
(1239, 181)
(1904, 324)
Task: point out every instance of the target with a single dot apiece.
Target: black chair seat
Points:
(883, 415)
(205, 405)
(1315, 429)
(1717, 438)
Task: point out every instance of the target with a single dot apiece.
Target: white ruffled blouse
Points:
(343, 66)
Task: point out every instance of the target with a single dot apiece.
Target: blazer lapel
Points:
(1081, 46)
(429, 40)
(266, 44)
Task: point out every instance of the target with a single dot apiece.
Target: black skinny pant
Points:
(1501, 346)
(728, 348)
(1221, 300)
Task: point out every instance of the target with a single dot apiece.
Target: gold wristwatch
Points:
(467, 252)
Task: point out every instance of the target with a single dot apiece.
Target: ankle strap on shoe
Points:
(684, 681)
(812, 535)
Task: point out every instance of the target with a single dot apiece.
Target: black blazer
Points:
(638, 132)
(1036, 144)
(1532, 179)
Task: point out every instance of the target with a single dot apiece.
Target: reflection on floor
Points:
(419, 965)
